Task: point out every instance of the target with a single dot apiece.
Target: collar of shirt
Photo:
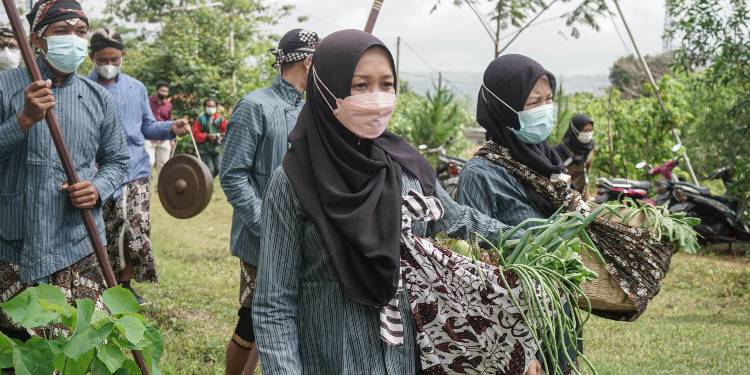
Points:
(286, 91)
(47, 72)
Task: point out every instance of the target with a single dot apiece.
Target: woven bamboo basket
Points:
(604, 292)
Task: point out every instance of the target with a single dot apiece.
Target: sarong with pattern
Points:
(465, 319)
(82, 280)
(128, 227)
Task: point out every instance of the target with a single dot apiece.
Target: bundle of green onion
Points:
(547, 260)
(674, 227)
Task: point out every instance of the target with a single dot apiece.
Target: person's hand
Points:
(211, 137)
(83, 195)
(38, 99)
(535, 368)
(180, 127)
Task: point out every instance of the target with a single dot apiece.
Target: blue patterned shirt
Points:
(138, 122)
(495, 192)
(40, 230)
(255, 145)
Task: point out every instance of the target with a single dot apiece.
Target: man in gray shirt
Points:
(255, 145)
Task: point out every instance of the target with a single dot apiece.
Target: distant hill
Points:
(467, 83)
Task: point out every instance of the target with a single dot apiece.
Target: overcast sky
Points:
(451, 39)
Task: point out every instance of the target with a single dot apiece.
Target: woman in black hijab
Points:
(577, 151)
(515, 106)
(331, 222)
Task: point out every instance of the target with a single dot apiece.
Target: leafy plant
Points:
(85, 341)
(547, 259)
(676, 227)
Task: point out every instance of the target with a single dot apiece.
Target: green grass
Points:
(698, 324)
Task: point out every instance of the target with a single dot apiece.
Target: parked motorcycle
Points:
(448, 169)
(617, 189)
(720, 215)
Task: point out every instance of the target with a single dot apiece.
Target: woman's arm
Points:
(278, 282)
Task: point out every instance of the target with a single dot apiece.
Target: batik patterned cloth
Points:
(128, 223)
(465, 319)
(248, 273)
(82, 280)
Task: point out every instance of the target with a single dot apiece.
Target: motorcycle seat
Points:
(692, 188)
(635, 184)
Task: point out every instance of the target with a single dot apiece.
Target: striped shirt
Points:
(495, 192)
(303, 322)
(138, 122)
(255, 145)
(40, 230)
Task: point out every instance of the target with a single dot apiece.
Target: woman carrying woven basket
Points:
(336, 218)
(516, 108)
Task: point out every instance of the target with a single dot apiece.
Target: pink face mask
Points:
(365, 115)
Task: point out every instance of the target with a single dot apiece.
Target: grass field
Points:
(698, 324)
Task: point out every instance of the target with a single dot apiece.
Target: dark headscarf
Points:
(352, 192)
(47, 12)
(511, 78)
(105, 38)
(571, 147)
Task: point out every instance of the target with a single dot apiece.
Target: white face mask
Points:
(9, 58)
(210, 111)
(107, 71)
(586, 137)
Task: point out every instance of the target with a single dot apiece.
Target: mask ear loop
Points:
(484, 88)
(316, 79)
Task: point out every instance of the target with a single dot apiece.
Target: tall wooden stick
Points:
(652, 81)
(374, 12)
(62, 151)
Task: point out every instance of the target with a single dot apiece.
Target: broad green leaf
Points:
(132, 328)
(84, 312)
(129, 367)
(99, 368)
(111, 356)
(25, 310)
(155, 342)
(85, 339)
(120, 301)
(51, 294)
(5, 342)
(33, 358)
(6, 358)
(81, 365)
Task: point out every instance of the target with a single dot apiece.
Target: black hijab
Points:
(352, 191)
(511, 78)
(573, 148)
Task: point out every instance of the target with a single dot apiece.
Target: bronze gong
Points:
(185, 186)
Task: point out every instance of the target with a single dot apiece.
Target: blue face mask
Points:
(536, 124)
(66, 52)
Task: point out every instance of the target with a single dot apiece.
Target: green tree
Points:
(516, 13)
(628, 77)
(218, 50)
(714, 40)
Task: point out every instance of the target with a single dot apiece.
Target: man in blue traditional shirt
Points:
(126, 215)
(255, 145)
(42, 235)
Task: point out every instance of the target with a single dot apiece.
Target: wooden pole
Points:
(652, 81)
(398, 56)
(62, 151)
(374, 12)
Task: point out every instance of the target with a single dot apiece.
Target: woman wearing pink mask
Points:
(331, 223)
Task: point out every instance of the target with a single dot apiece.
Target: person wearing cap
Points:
(255, 145)
(126, 215)
(10, 55)
(42, 236)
